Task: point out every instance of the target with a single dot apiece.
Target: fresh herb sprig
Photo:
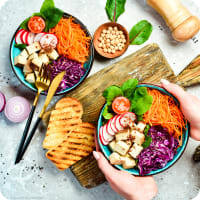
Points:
(49, 13)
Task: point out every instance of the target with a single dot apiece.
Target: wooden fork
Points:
(42, 83)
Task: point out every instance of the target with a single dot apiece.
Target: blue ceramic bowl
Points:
(105, 149)
(19, 72)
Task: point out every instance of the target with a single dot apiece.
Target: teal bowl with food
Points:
(141, 128)
(31, 48)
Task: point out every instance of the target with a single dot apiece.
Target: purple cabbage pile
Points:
(74, 72)
(161, 150)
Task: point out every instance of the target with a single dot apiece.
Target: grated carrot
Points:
(72, 40)
(165, 112)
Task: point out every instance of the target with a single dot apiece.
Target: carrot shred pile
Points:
(165, 112)
(73, 42)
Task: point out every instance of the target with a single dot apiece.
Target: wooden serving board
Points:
(148, 65)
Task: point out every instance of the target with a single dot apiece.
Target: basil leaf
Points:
(140, 33)
(111, 92)
(24, 24)
(139, 118)
(128, 87)
(106, 113)
(115, 8)
(40, 15)
(47, 4)
(20, 46)
(53, 16)
(148, 139)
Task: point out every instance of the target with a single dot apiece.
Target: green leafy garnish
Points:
(114, 9)
(128, 87)
(20, 46)
(148, 139)
(111, 93)
(106, 113)
(49, 13)
(140, 33)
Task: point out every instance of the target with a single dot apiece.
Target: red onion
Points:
(17, 109)
(2, 101)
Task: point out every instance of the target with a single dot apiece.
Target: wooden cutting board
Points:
(148, 65)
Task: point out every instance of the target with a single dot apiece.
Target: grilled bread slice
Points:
(67, 114)
(76, 145)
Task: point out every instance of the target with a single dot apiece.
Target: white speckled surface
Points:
(36, 177)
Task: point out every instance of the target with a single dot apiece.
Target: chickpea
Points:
(112, 42)
(102, 41)
(107, 36)
(117, 33)
(115, 28)
(119, 36)
(120, 32)
(109, 50)
(104, 31)
(120, 48)
(113, 32)
(100, 45)
(111, 47)
(108, 32)
(110, 28)
(113, 51)
(116, 48)
(122, 36)
(105, 50)
(124, 40)
(117, 40)
(122, 45)
(108, 45)
(100, 38)
(104, 46)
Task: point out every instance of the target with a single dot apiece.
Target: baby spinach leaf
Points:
(128, 87)
(115, 8)
(142, 105)
(111, 92)
(148, 139)
(47, 4)
(139, 118)
(106, 113)
(24, 24)
(20, 46)
(140, 33)
(53, 16)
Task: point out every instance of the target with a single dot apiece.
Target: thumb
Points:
(103, 164)
(174, 89)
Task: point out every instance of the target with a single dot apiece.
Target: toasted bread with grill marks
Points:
(76, 145)
(67, 114)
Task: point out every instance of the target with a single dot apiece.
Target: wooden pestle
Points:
(181, 22)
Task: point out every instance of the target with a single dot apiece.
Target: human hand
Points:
(190, 106)
(125, 184)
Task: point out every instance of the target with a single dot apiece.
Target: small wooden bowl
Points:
(98, 33)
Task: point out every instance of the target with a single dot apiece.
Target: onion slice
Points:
(2, 101)
(17, 109)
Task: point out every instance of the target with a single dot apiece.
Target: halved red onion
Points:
(17, 109)
(2, 101)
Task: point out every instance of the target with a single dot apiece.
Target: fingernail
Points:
(164, 81)
(96, 155)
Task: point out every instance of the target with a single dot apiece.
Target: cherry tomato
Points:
(121, 105)
(36, 24)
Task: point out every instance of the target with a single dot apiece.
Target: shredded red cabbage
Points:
(74, 72)
(161, 150)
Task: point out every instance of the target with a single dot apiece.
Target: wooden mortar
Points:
(179, 19)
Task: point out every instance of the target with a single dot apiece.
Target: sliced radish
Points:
(17, 37)
(109, 129)
(38, 37)
(30, 38)
(118, 125)
(127, 118)
(101, 136)
(112, 124)
(23, 36)
(48, 41)
(106, 137)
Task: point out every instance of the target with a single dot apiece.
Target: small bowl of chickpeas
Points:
(111, 40)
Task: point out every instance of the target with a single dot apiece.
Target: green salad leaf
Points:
(111, 93)
(114, 9)
(140, 32)
(24, 24)
(47, 5)
(128, 87)
(20, 46)
(106, 113)
(148, 139)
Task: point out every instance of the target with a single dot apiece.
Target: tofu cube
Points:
(135, 150)
(19, 61)
(53, 55)
(115, 159)
(141, 126)
(27, 67)
(128, 163)
(132, 125)
(44, 58)
(33, 48)
(123, 135)
(33, 56)
(137, 137)
(24, 53)
(112, 145)
(121, 147)
(30, 78)
(36, 63)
